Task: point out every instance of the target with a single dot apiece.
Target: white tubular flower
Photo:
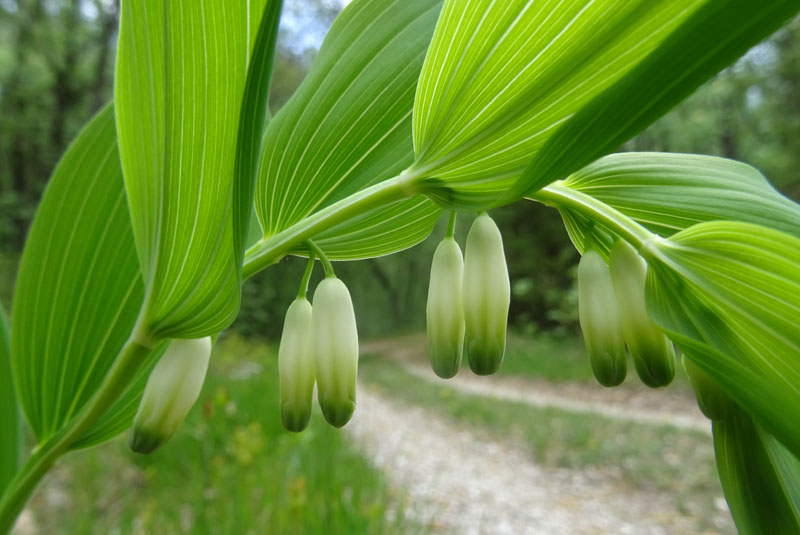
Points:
(444, 312)
(172, 388)
(486, 293)
(600, 320)
(335, 347)
(652, 353)
(296, 366)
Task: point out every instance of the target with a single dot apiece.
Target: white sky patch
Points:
(304, 23)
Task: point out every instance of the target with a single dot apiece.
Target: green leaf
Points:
(509, 86)
(10, 428)
(347, 127)
(760, 478)
(79, 287)
(379, 232)
(253, 118)
(180, 80)
(670, 192)
(712, 35)
(728, 293)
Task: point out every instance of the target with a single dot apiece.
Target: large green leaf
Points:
(670, 192)
(504, 82)
(728, 293)
(180, 79)
(711, 37)
(347, 127)
(761, 479)
(79, 288)
(10, 429)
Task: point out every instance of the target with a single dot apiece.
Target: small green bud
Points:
(296, 366)
(711, 398)
(652, 352)
(445, 312)
(486, 296)
(172, 388)
(600, 321)
(335, 347)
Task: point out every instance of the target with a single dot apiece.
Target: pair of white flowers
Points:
(319, 344)
(613, 314)
(468, 298)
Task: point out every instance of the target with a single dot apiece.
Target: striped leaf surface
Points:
(79, 289)
(760, 478)
(503, 81)
(179, 86)
(10, 430)
(670, 192)
(347, 127)
(728, 294)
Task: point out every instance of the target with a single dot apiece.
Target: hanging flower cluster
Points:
(468, 299)
(613, 315)
(466, 312)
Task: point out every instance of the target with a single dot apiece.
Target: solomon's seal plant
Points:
(444, 312)
(141, 237)
(652, 352)
(296, 361)
(335, 346)
(600, 320)
(486, 295)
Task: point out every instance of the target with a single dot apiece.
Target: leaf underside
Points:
(180, 79)
(727, 293)
(348, 126)
(670, 192)
(79, 288)
(538, 89)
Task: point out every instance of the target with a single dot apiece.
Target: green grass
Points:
(564, 359)
(645, 457)
(230, 469)
(553, 359)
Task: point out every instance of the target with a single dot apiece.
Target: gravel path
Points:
(643, 405)
(465, 481)
(459, 481)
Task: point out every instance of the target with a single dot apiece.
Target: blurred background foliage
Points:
(56, 70)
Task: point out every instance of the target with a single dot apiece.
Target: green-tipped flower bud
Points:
(445, 313)
(486, 293)
(296, 366)
(711, 398)
(335, 348)
(600, 321)
(653, 354)
(172, 388)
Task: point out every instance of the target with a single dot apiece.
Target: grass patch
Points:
(231, 469)
(660, 458)
(564, 359)
(553, 359)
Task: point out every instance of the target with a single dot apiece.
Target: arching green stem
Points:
(451, 225)
(125, 367)
(326, 263)
(558, 195)
(271, 249)
(301, 294)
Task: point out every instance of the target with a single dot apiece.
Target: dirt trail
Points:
(643, 405)
(459, 481)
(465, 481)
